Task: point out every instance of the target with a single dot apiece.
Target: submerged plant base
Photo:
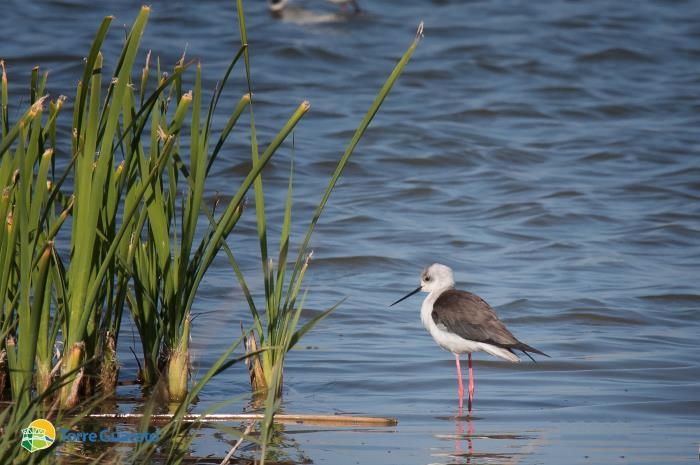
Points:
(109, 365)
(178, 374)
(258, 385)
(74, 375)
(3, 374)
(252, 361)
(42, 377)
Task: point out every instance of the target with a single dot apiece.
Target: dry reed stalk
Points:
(42, 377)
(109, 365)
(252, 361)
(235, 447)
(70, 392)
(3, 373)
(282, 418)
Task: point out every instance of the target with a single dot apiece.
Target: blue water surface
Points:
(549, 152)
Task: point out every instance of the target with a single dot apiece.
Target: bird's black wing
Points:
(470, 317)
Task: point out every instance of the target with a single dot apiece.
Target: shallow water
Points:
(548, 152)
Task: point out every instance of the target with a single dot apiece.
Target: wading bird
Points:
(462, 322)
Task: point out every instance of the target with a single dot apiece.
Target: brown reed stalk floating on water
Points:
(282, 418)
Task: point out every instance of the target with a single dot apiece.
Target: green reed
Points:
(26, 243)
(278, 329)
(169, 266)
(130, 205)
(97, 235)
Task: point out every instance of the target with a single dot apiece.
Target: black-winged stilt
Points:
(462, 322)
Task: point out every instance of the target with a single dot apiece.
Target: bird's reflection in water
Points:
(467, 446)
(464, 454)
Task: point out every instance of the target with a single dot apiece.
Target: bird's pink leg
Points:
(460, 389)
(471, 384)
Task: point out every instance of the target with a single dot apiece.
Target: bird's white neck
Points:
(426, 308)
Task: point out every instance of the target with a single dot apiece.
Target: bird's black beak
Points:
(417, 290)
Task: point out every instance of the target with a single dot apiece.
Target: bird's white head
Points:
(436, 278)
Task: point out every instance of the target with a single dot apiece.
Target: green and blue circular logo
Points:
(40, 434)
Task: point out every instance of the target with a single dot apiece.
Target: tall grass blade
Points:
(364, 124)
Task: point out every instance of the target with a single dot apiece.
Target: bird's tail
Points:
(524, 348)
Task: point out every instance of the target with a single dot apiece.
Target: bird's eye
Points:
(427, 278)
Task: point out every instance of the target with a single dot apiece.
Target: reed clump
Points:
(117, 225)
(129, 205)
